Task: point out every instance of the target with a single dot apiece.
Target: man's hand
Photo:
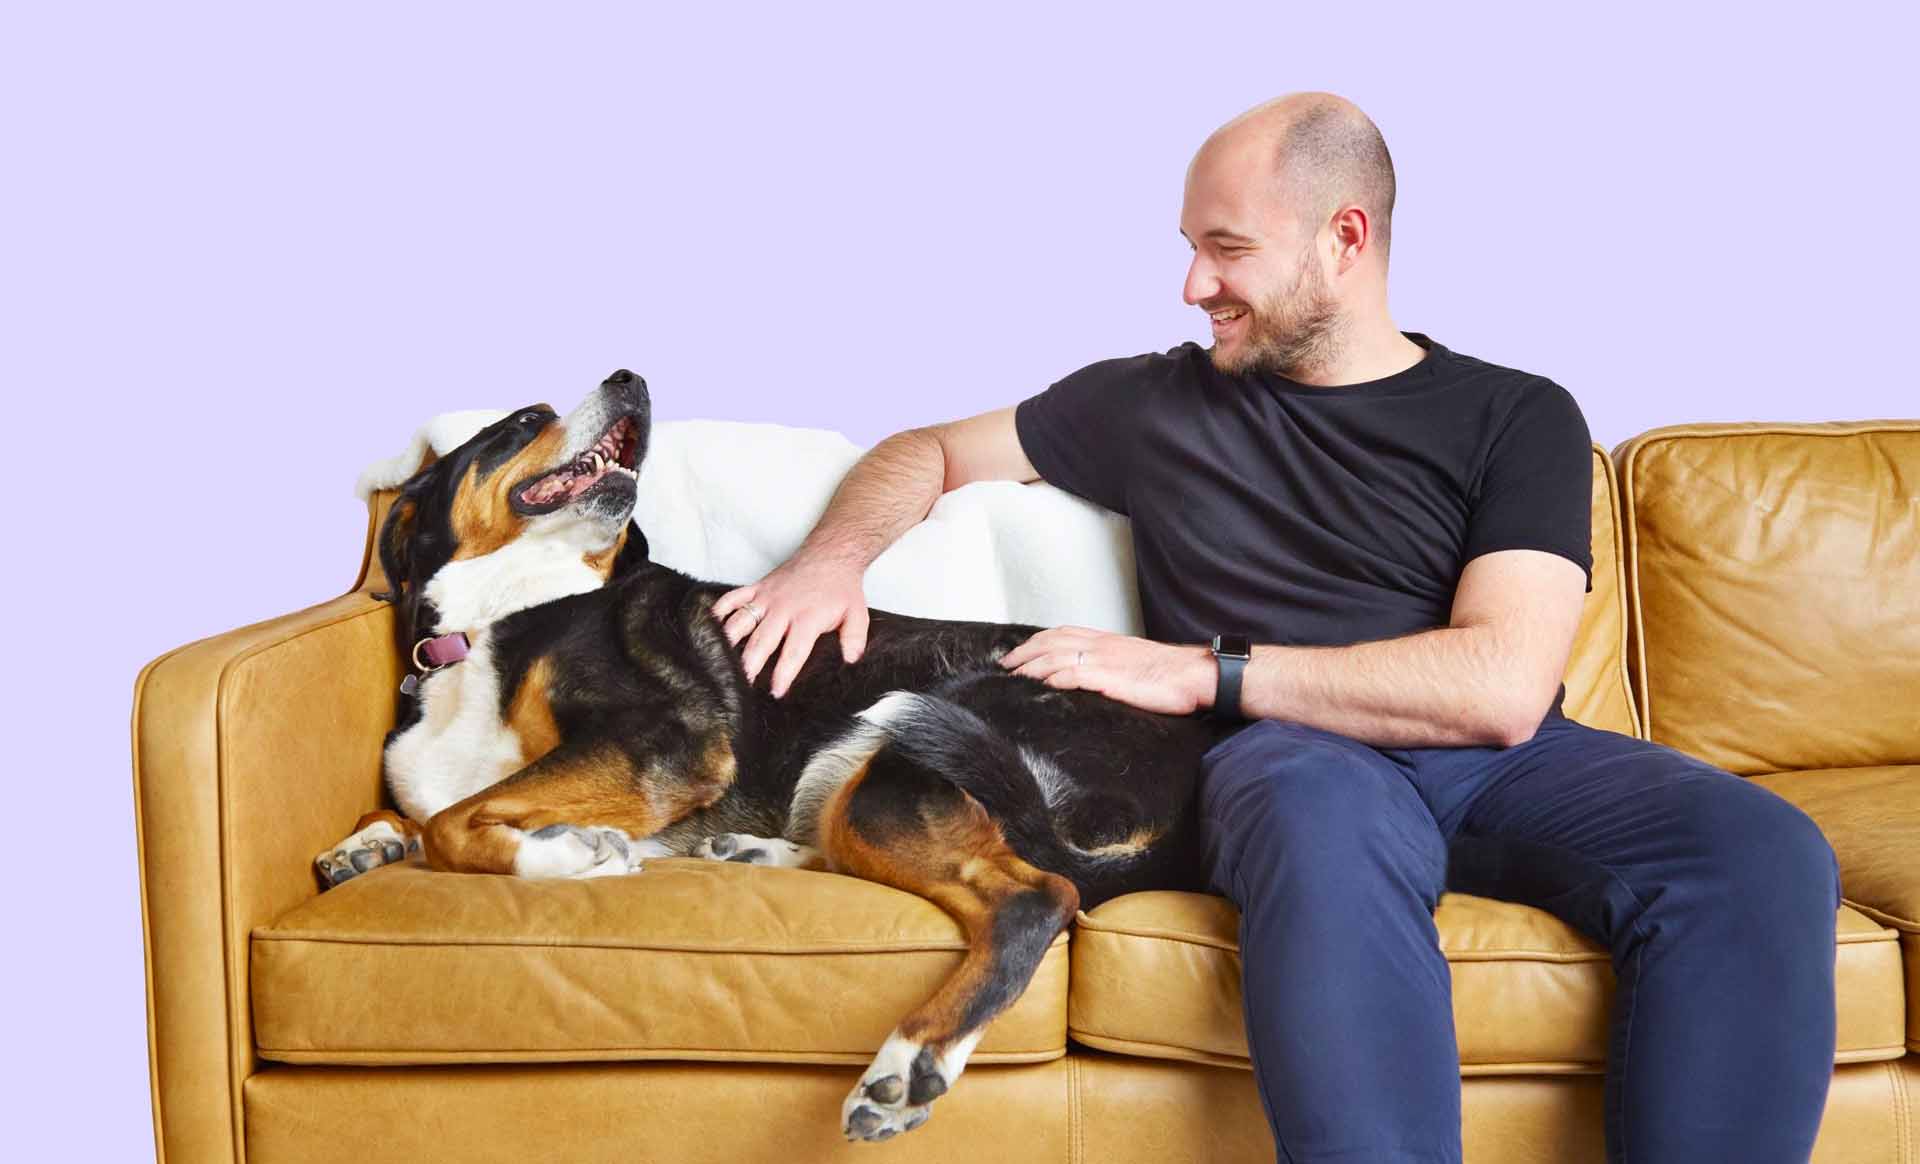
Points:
(1162, 677)
(799, 601)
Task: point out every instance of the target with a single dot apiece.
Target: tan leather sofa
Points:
(1756, 603)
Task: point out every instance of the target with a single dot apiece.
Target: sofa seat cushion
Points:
(686, 959)
(1871, 817)
(1158, 974)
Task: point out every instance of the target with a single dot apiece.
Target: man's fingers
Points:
(1041, 666)
(853, 634)
(1033, 648)
(732, 600)
(739, 625)
(800, 638)
(766, 638)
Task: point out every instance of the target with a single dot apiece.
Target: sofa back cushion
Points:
(1775, 575)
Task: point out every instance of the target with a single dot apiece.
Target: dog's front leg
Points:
(378, 838)
(574, 812)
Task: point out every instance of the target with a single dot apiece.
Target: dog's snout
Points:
(622, 377)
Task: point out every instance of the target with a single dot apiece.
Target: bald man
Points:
(1402, 533)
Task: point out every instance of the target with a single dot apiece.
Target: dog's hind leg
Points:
(899, 823)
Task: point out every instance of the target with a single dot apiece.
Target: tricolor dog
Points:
(578, 707)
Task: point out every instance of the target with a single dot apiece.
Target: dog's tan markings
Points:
(530, 714)
(717, 769)
(597, 788)
(602, 562)
(483, 518)
(1138, 841)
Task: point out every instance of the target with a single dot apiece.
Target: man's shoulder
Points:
(1183, 360)
(1510, 387)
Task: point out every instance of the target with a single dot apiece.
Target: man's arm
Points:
(887, 492)
(1485, 679)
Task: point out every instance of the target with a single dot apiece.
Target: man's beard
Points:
(1294, 333)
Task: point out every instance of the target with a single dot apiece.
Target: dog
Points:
(578, 708)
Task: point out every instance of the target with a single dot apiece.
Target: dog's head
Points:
(534, 507)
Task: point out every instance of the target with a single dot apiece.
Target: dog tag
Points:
(410, 684)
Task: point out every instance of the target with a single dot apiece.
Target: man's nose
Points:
(1202, 284)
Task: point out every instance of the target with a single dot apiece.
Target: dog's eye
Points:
(532, 417)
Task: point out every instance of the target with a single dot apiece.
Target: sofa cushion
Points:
(1776, 619)
(686, 959)
(1871, 817)
(1158, 974)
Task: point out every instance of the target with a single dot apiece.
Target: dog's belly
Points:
(459, 745)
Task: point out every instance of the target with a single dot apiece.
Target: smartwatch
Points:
(1231, 653)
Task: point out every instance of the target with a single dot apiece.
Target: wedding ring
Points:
(755, 611)
(1079, 658)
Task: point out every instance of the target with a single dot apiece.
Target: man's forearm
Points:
(1440, 688)
(885, 494)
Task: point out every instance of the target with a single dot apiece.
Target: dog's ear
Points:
(633, 554)
(396, 532)
(396, 538)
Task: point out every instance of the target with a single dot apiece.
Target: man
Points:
(1403, 532)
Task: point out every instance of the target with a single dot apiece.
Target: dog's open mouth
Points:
(612, 455)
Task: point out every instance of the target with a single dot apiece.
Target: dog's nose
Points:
(621, 377)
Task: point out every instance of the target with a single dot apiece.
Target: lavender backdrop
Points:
(249, 249)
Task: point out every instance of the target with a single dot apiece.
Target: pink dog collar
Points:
(440, 650)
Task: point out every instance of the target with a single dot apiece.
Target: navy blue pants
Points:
(1715, 896)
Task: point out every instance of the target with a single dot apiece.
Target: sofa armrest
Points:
(252, 751)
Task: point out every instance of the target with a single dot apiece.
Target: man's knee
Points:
(1758, 847)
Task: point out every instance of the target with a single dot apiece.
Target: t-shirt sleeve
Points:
(1536, 492)
(1079, 434)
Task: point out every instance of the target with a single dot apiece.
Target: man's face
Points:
(1257, 266)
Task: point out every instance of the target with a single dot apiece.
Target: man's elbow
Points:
(1515, 720)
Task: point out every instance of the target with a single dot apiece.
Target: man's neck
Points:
(1382, 353)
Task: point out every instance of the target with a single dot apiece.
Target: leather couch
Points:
(1756, 603)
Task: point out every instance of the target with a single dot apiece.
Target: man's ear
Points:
(396, 539)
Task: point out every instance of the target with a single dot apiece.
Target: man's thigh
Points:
(1282, 797)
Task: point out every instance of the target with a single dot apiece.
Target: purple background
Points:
(248, 251)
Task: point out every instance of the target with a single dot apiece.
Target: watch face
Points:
(1233, 646)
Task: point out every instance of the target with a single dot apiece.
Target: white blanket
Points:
(727, 502)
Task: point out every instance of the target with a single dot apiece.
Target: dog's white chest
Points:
(459, 745)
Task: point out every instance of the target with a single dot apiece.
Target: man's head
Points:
(1288, 209)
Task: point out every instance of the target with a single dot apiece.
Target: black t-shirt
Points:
(1310, 515)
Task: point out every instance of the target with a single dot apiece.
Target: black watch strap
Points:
(1231, 653)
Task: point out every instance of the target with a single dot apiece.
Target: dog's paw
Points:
(378, 844)
(577, 851)
(897, 1092)
(752, 850)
